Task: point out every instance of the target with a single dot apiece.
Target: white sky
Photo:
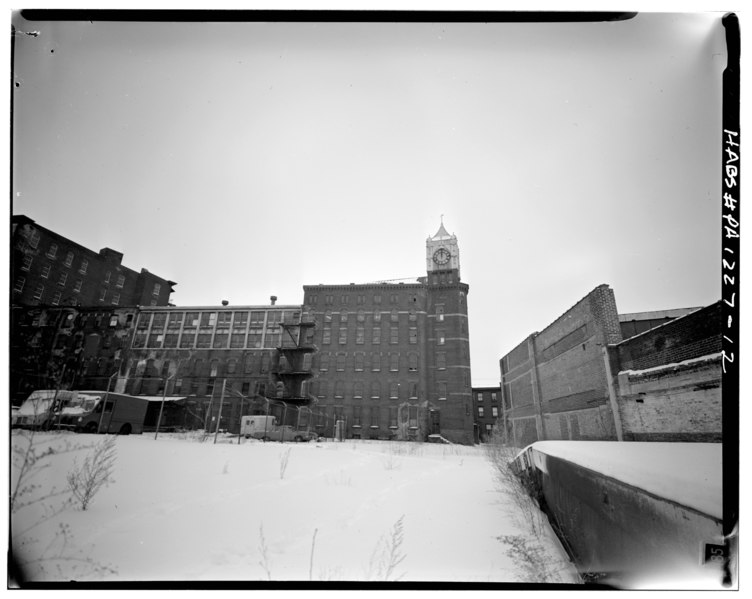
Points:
(249, 159)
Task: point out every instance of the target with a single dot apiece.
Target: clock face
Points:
(441, 256)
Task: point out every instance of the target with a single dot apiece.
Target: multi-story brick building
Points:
(49, 269)
(242, 355)
(68, 347)
(394, 359)
(487, 409)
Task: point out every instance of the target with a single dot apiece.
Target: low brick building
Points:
(579, 379)
(668, 380)
(487, 410)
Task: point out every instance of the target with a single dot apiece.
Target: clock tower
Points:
(442, 253)
(447, 341)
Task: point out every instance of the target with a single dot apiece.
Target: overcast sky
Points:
(243, 160)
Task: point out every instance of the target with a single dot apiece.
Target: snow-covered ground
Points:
(181, 509)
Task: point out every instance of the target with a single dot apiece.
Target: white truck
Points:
(268, 429)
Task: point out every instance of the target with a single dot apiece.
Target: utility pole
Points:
(161, 407)
(219, 414)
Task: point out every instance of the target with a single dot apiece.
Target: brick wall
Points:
(673, 404)
(691, 336)
(561, 372)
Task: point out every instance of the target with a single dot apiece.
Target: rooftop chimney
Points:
(274, 299)
(225, 302)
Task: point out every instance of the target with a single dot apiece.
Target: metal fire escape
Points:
(292, 368)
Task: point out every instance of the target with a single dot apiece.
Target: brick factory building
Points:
(394, 357)
(49, 269)
(569, 381)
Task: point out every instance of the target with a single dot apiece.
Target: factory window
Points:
(441, 361)
(394, 335)
(342, 335)
(375, 389)
(361, 316)
(157, 289)
(56, 298)
(324, 362)
(326, 336)
(343, 316)
(376, 336)
(494, 411)
(377, 316)
(102, 295)
(68, 259)
(115, 298)
(358, 390)
(339, 389)
(27, 262)
(413, 315)
(360, 335)
(377, 299)
(19, 286)
(394, 362)
(77, 286)
(46, 271)
(62, 279)
(394, 315)
(412, 362)
(120, 281)
(480, 411)
(440, 338)
(413, 390)
(52, 252)
(34, 239)
(393, 417)
(442, 389)
(359, 361)
(413, 335)
(341, 362)
(376, 362)
(84, 267)
(394, 390)
(107, 276)
(479, 396)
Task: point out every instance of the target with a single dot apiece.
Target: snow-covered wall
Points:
(636, 513)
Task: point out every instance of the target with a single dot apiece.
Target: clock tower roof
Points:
(441, 234)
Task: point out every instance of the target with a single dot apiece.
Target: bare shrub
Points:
(284, 458)
(501, 455)
(264, 551)
(341, 479)
(35, 553)
(534, 560)
(87, 480)
(387, 555)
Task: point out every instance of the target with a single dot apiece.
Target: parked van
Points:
(41, 408)
(126, 414)
(82, 411)
(268, 429)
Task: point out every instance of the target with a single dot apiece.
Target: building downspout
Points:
(536, 387)
(612, 395)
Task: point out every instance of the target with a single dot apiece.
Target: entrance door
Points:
(435, 424)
